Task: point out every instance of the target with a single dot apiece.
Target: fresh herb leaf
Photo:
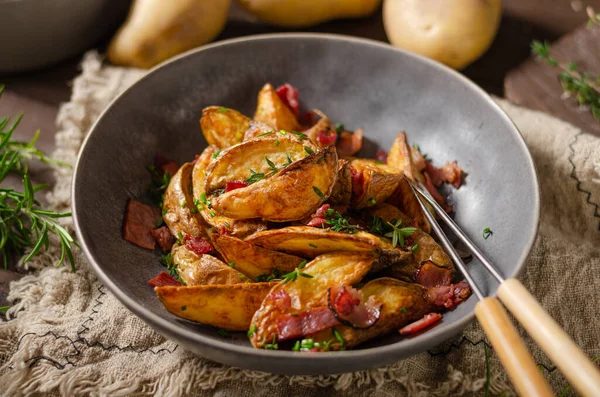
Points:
(273, 345)
(309, 150)
(216, 154)
(296, 346)
(372, 201)
(312, 245)
(300, 135)
(404, 310)
(337, 335)
(487, 232)
(252, 330)
(282, 132)
(266, 133)
(339, 127)
(276, 142)
(232, 264)
(319, 192)
(182, 204)
(222, 110)
(275, 276)
(4, 308)
(293, 275)
(183, 308)
(415, 247)
(341, 224)
(255, 177)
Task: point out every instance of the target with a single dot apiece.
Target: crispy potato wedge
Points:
(272, 111)
(252, 260)
(403, 303)
(178, 205)
(327, 270)
(378, 182)
(229, 307)
(400, 158)
(342, 190)
(323, 126)
(203, 269)
(235, 163)
(257, 129)
(237, 228)
(291, 194)
(404, 198)
(223, 127)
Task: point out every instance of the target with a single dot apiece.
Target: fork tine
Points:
(448, 246)
(421, 190)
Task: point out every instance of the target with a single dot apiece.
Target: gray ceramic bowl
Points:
(37, 33)
(358, 82)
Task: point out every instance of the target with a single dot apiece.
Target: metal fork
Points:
(516, 359)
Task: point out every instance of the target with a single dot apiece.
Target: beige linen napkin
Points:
(67, 335)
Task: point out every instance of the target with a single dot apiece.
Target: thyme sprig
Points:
(391, 230)
(293, 275)
(23, 223)
(574, 81)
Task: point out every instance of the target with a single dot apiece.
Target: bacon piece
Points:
(164, 279)
(322, 211)
(326, 138)
(232, 185)
(139, 223)
(350, 308)
(166, 165)
(281, 298)
(164, 238)
(319, 218)
(448, 296)
(452, 173)
(306, 323)
(308, 119)
(358, 180)
(381, 155)
(435, 194)
(317, 222)
(421, 324)
(289, 95)
(349, 143)
(430, 275)
(435, 174)
(198, 245)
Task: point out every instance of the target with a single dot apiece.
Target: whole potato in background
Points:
(156, 30)
(304, 13)
(454, 32)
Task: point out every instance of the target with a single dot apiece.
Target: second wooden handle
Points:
(511, 350)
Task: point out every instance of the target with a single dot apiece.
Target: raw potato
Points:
(235, 163)
(342, 190)
(403, 303)
(454, 32)
(178, 205)
(229, 307)
(253, 260)
(203, 269)
(272, 111)
(223, 127)
(328, 270)
(237, 228)
(304, 13)
(289, 195)
(379, 182)
(156, 30)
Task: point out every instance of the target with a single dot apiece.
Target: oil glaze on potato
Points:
(292, 194)
(237, 228)
(252, 260)
(235, 163)
(179, 213)
(203, 269)
(327, 271)
(223, 127)
(272, 111)
(229, 307)
(378, 183)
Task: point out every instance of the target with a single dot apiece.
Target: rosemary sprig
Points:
(23, 224)
(575, 82)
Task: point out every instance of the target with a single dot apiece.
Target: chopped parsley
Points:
(319, 192)
(232, 265)
(216, 154)
(404, 310)
(372, 201)
(414, 247)
(282, 132)
(487, 232)
(222, 110)
(308, 150)
(276, 142)
(337, 335)
(339, 127)
(300, 135)
(273, 345)
(293, 276)
(266, 133)
(182, 204)
(312, 245)
(165, 211)
(213, 213)
(183, 308)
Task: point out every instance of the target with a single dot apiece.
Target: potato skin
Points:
(379, 182)
(235, 163)
(271, 110)
(289, 195)
(223, 127)
(203, 269)
(253, 260)
(328, 270)
(257, 129)
(342, 190)
(229, 307)
(404, 198)
(178, 205)
(323, 125)
(237, 228)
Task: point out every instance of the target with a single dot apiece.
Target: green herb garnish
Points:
(312, 245)
(272, 166)
(339, 127)
(232, 264)
(183, 308)
(319, 192)
(300, 135)
(255, 177)
(398, 234)
(273, 345)
(222, 110)
(275, 276)
(4, 308)
(341, 224)
(223, 333)
(266, 133)
(372, 201)
(337, 335)
(216, 154)
(276, 142)
(252, 330)
(404, 310)
(487, 232)
(293, 276)
(414, 247)
(182, 204)
(309, 150)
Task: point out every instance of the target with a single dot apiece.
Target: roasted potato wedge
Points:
(223, 127)
(272, 111)
(291, 194)
(404, 198)
(257, 155)
(257, 129)
(179, 212)
(229, 307)
(342, 190)
(323, 128)
(400, 158)
(252, 260)
(324, 271)
(403, 303)
(203, 269)
(237, 228)
(378, 182)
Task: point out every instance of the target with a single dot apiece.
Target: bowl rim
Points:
(424, 340)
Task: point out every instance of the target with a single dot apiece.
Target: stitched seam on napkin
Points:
(579, 183)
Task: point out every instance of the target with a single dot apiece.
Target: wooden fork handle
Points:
(511, 350)
(581, 372)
